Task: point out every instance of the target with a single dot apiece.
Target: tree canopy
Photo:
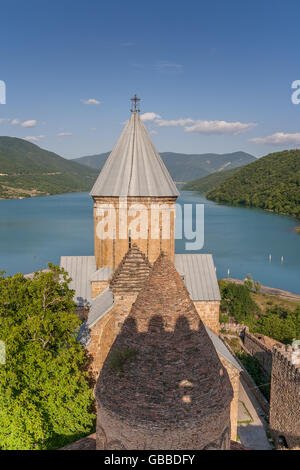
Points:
(272, 183)
(45, 395)
(277, 322)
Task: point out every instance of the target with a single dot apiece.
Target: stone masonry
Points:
(110, 251)
(260, 347)
(162, 385)
(209, 313)
(285, 397)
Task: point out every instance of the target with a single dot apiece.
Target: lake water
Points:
(38, 230)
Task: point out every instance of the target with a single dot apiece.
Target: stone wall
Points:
(209, 313)
(122, 307)
(209, 433)
(105, 331)
(110, 251)
(103, 334)
(234, 376)
(260, 347)
(285, 399)
(98, 287)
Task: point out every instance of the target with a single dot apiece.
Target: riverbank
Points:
(269, 290)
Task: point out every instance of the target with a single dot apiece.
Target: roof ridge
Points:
(134, 167)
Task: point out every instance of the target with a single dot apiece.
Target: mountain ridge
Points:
(184, 167)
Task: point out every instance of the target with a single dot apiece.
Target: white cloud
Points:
(30, 123)
(174, 122)
(64, 134)
(279, 138)
(36, 138)
(14, 122)
(219, 127)
(153, 132)
(169, 67)
(2, 120)
(91, 101)
(149, 116)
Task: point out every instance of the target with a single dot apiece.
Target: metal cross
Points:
(135, 101)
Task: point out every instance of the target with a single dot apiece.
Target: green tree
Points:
(45, 396)
(279, 324)
(238, 303)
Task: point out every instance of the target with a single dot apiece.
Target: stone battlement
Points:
(289, 357)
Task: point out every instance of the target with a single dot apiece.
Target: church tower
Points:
(134, 199)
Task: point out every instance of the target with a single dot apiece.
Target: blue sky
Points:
(213, 76)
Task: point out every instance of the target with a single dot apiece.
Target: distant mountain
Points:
(272, 183)
(185, 167)
(27, 170)
(203, 185)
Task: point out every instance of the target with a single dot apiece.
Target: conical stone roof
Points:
(134, 167)
(163, 367)
(131, 273)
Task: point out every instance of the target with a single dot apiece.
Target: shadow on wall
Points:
(167, 375)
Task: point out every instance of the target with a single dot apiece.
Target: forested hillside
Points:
(27, 170)
(272, 183)
(203, 185)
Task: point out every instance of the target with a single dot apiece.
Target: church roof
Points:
(199, 275)
(80, 269)
(132, 272)
(134, 167)
(197, 270)
(163, 367)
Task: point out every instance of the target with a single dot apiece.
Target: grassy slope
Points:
(26, 170)
(271, 183)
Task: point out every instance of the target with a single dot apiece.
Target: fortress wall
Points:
(258, 349)
(285, 398)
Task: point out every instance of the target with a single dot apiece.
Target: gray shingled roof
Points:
(197, 270)
(103, 274)
(199, 275)
(100, 306)
(134, 167)
(222, 350)
(80, 269)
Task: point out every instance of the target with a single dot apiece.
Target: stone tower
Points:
(134, 199)
(162, 385)
(285, 397)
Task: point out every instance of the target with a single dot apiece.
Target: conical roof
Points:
(132, 272)
(163, 367)
(134, 167)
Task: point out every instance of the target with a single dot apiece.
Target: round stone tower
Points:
(162, 385)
